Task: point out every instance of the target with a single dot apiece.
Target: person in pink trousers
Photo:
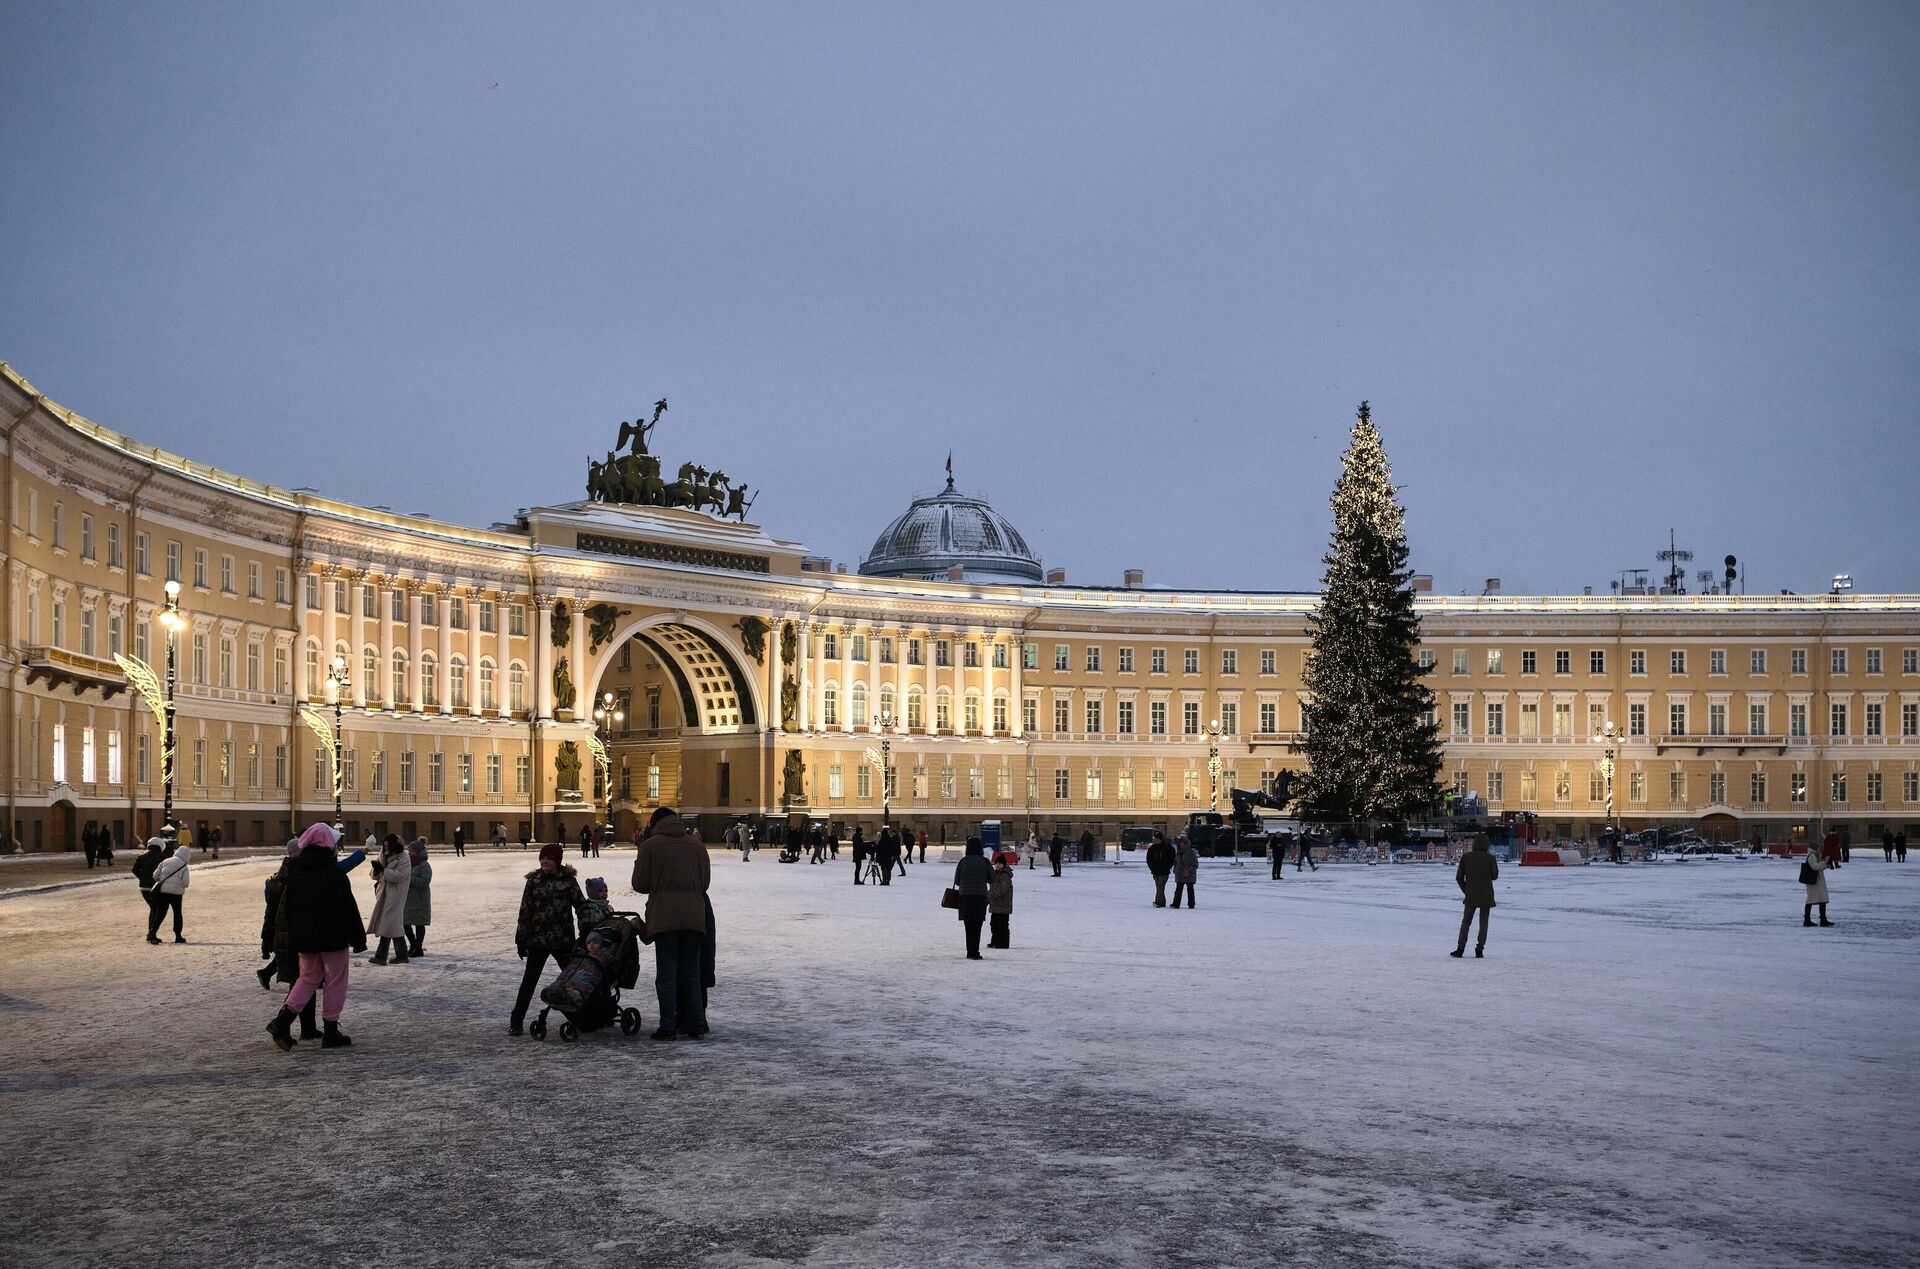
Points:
(319, 921)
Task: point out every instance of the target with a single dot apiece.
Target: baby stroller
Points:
(587, 993)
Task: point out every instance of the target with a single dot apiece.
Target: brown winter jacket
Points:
(673, 871)
(1475, 876)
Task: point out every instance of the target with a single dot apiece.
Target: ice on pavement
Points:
(1654, 1066)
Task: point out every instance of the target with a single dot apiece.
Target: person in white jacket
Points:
(170, 880)
(393, 877)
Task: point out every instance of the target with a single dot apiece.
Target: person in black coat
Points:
(973, 877)
(1160, 858)
(1056, 847)
(318, 921)
(859, 855)
(886, 850)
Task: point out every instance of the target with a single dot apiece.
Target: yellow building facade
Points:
(752, 681)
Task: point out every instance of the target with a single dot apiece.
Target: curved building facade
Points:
(745, 684)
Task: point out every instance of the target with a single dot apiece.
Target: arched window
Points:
(457, 682)
(313, 668)
(487, 702)
(517, 688)
(830, 706)
(859, 704)
(370, 673)
(970, 717)
(401, 693)
(943, 711)
(429, 687)
(887, 710)
(916, 709)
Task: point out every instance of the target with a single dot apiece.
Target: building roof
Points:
(949, 529)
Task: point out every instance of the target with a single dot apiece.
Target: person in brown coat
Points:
(671, 868)
(1475, 876)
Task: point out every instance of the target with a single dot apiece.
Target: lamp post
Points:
(1213, 760)
(1609, 738)
(886, 768)
(172, 620)
(607, 717)
(340, 680)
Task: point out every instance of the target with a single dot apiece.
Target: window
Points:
(523, 777)
(1717, 661)
(857, 705)
(1062, 656)
(1000, 715)
(999, 656)
(1837, 719)
(915, 654)
(400, 696)
(1910, 786)
(1797, 661)
(1061, 776)
(971, 659)
(86, 631)
(1876, 790)
(200, 657)
(863, 782)
(1839, 788)
(1529, 664)
(1267, 661)
(1676, 720)
(1910, 661)
(916, 711)
(1269, 717)
(1757, 661)
(1637, 661)
(86, 537)
(1757, 788)
(976, 783)
(1909, 719)
(1875, 723)
(1596, 662)
(1229, 718)
(1797, 719)
(1190, 784)
(1563, 786)
(457, 682)
(1716, 721)
(59, 527)
(1125, 665)
(488, 703)
(226, 575)
(377, 771)
(970, 713)
(1596, 786)
(140, 561)
(1191, 663)
(1496, 786)
(1459, 660)
(173, 562)
(830, 646)
(200, 762)
(1123, 721)
(1717, 787)
(1123, 787)
(495, 773)
(1636, 719)
(114, 647)
(282, 584)
(1839, 660)
(463, 770)
(886, 650)
(1157, 718)
(1756, 720)
(1029, 656)
(429, 609)
(486, 617)
(1461, 718)
(857, 647)
(1563, 720)
(429, 681)
(1677, 788)
(436, 773)
(1157, 786)
(113, 759)
(226, 661)
(1563, 661)
(1596, 718)
(1637, 787)
(1061, 713)
(1229, 661)
(1029, 715)
(1425, 660)
(1677, 661)
(1496, 718)
(282, 683)
(517, 621)
(943, 652)
(1093, 784)
(457, 612)
(830, 706)
(86, 755)
(1190, 717)
(517, 690)
(1873, 661)
(1797, 787)
(1093, 658)
(1157, 661)
(1496, 661)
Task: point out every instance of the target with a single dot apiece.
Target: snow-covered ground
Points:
(1654, 1066)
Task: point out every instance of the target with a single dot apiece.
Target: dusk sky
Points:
(1601, 269)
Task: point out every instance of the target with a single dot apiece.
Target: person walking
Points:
(143, 870)
(392, 878)
(1186, 868)
(973, 878)
(903, 844)
(859, 855)
(1886, 846)
(1160, 860)
(1899, 848)
(1475, 875)
(215, 837)
(1056, 847)
(886, 851)
(103, 847)
(833, 841)
(923, 845)
(1306, 855)
(545, 930)
(817, 839)
(460, 840)
(419, 912)
(673, 871)
(283, 965)
(746, 843)
(586, 841)
(88, 837)
(1000, 903)
(1277, 857)
(1089, 846)
(170, 878)
(317, 922)
(1830, 849)
(1813, 873)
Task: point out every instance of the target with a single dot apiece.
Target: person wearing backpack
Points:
(143, 868)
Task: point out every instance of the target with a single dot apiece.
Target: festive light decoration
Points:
(1372, 745)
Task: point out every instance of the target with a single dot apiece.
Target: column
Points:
(1016, 694)
(473, 655)
(414, 645)
(803, 673)
(329, 631)
(776, 659)
(543, 651)
(503, 654)
(846, 678)
(356, 644)
(443, 672)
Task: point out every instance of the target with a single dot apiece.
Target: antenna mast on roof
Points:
(1675, 560)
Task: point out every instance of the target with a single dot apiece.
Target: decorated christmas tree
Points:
(1372, 747)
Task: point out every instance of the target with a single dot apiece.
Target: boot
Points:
(334, 1038)
(307, 1030)
(1823, 915)
(516, 1025)
(281, 1029)
(1806, 915)
(265, 976)
(400, 956)
(1479, 953)
(1457, 952)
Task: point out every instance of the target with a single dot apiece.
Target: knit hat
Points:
(417, 851)
(319, 835)
(293, 847)
(596, 887)
(553, 851)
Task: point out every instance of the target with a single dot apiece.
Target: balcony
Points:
(1719, 744)
(61, 668)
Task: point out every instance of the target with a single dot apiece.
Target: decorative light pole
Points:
(886, 767)
(1609, 737)
(1213, 760)
(340, 681)
(172, 620)
(607, 717)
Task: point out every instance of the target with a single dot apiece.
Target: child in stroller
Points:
(605, 959)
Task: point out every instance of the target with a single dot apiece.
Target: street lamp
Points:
(340, 681)
(172, 620)
(607, 717)
(1609, 737)
(886, 767)
(1213, 760)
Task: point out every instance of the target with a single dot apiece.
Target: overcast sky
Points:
(1601, 269)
